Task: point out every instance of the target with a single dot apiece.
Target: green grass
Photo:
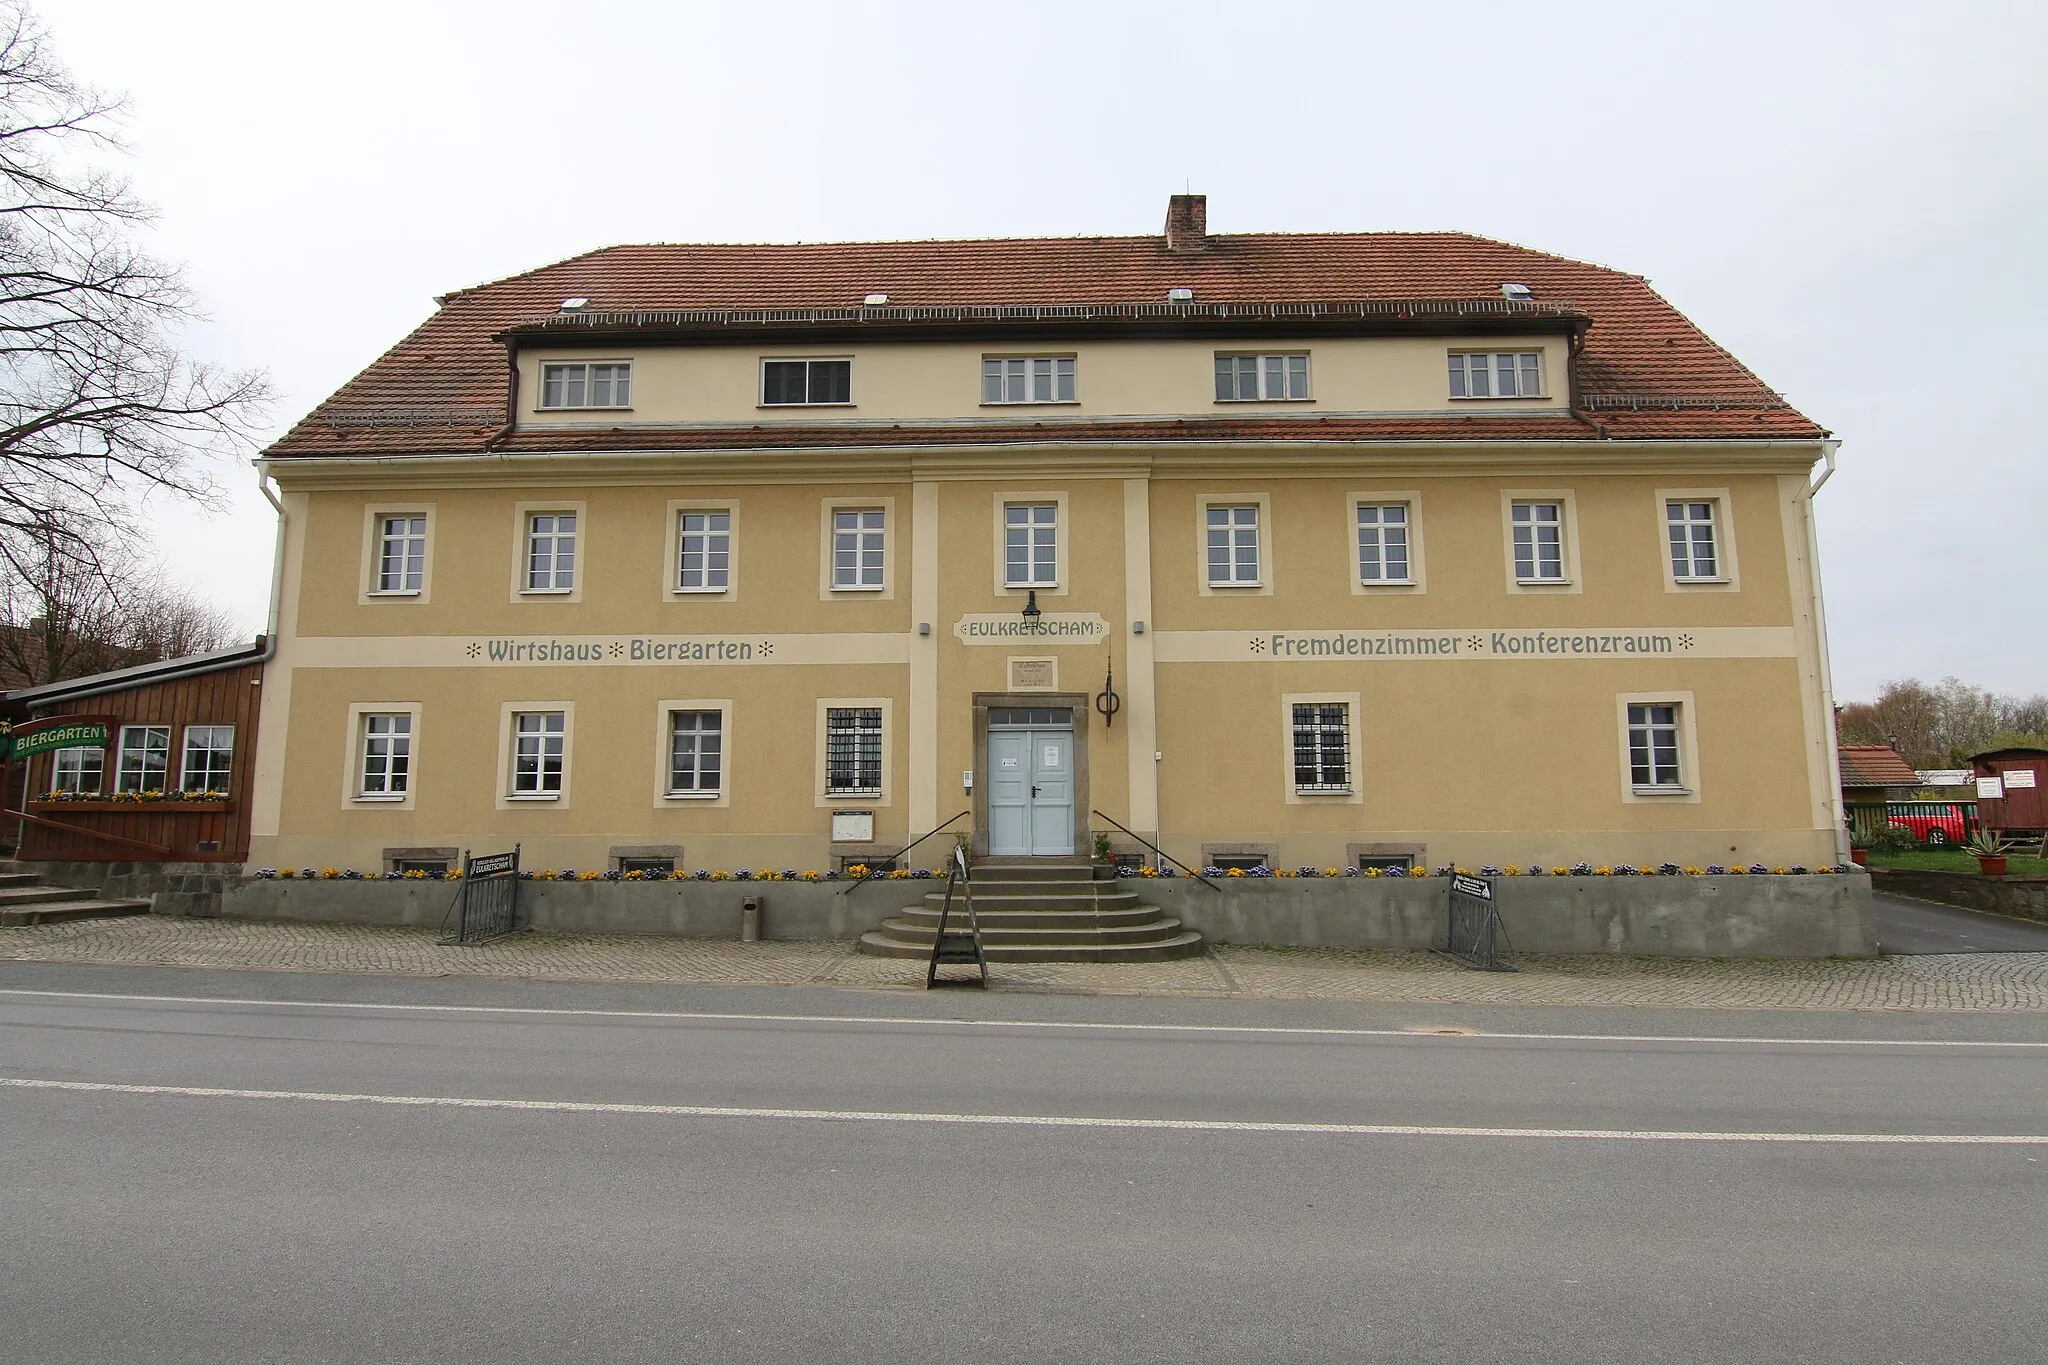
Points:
(1955, 860)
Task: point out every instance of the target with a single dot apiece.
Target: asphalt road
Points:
(628, 1174)
(1905, 925)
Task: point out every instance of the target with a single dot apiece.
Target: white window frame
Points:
(509, 796)
(1267, 368)
(354, 755)
(824, 794)
(412, 529)
(144, 748)
(187, 750)
(75, 780)
(807, 361)
(1568, 539)
(664, 735)
(1389, 523)
(1262, 504)
(1524, 369)
(370, 588)
(394, 766)
(552, 574)
(1353, 790)
(866, 539)
(618, 385)
(1728, 578)
(1408, 498)
(1232, 527)
(695, 790)
(678, 542)
(1686, 790)
(1039, 532)
(1036, 380)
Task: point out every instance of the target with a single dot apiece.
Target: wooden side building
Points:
(172, 780)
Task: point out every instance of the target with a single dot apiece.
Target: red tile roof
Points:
(1875, 765)
(1645, 373)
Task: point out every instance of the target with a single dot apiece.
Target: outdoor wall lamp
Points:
(1031, 612)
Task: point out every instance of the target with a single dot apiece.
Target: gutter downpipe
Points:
(1820, 632)
(504, 433)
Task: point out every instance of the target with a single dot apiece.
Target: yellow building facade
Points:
(1312, 550)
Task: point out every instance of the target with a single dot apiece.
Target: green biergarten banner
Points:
(64, 735)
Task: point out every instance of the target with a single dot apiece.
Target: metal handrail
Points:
(899, 853)
(1161, 852)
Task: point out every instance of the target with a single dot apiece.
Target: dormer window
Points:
(806, 383)
(607, 385)
(1496, 374)
(1261, 378)
(1027, 379)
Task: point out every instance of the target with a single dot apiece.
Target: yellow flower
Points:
(1513, 870)
(1234, 872)
(1372, 872)
(1332, 872)
(1603, 871)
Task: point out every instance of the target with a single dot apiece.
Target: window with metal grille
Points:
(1691, 528)
(1496, 374)
(1653, 746)
(387, 754)
(1031, 544)
(703, 551)
(1539, 541)
(857, 550)
(659, 866)
(586, 386)
(144, 759)
(853, 751)
(1322, 747)
(1027, 379)
(1386, 861)
(78, 770)
(209, 754)
(537, 743)
(551, 552)
(1245, 862)
(401, 554)
(1233, 546)
(1261, 378)
(806, 382)
(696, 753)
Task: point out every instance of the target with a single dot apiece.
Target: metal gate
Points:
(487, 905)
(1472, 929)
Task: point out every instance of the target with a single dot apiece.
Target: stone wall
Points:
(1813, 916)
(2021, 897)
(171, 888)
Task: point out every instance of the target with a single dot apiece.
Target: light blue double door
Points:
(1031, 791)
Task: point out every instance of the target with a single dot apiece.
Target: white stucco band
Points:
(1474, 642)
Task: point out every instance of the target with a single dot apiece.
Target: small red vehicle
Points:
(1937, 824)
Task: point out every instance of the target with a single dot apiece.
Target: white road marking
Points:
(888, 1021)
(207, 1092)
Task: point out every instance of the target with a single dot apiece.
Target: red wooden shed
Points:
(2021, 805)
(168, 773)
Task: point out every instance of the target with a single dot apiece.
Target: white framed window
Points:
(1232, 544)
(806, 383)
(1689, 527)
(1322, 747)
(604, 385)
(1653, 750)
(1496, 374)
(1031, 544)
(1027, 379)
(550, 552)
(853, 751)
(703, 550)
(209, 757)
(401, 553)
(1382, 529)
(145, 757)
(859, 549)
(78, 770)
(385, 761)
(1261, 378)
(539, 752)
(696, 753)
(1538, 541)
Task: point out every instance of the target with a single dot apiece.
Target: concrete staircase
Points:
(1032, 911)
(25, 900)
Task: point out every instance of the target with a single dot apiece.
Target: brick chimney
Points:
(1187, 224)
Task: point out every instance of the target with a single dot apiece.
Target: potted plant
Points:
(1859, 855)
(1990, 848)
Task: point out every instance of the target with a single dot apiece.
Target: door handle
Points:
(1034, 791)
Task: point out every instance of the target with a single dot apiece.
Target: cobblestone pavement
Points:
(1962, 981)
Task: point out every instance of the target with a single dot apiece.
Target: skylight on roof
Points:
(1180, 294)
(875, 301)
(1520, 293)
(575, 305)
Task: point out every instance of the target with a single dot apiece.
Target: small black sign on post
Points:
(487, 905)
(957, 946)
(1472, 930)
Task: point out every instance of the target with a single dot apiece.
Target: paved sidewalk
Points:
(1959, 981)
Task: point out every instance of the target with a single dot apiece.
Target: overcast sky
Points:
(1848, 196)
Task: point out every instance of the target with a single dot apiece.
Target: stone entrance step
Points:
(25, 900)
(1033, 911)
